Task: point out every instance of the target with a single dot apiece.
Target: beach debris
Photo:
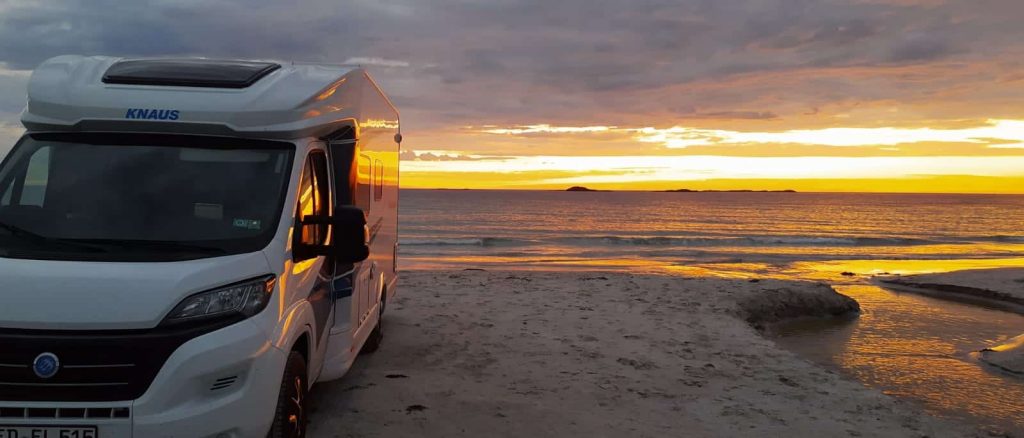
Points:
(637, 364)
(415, 408)
(358, 387)
(396, 376)
(788, 382)
(755, 280)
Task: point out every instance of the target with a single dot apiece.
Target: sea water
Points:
(729, 234)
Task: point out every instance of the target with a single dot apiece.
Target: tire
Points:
(290, 415)
(377, 335)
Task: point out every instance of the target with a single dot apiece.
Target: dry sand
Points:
(999, 285)
(481, 354)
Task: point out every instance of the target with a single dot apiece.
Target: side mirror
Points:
(349, 236)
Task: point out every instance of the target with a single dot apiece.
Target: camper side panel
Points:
(379, 157)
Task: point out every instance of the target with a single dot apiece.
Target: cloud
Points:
(376, 62)
(408, 155)
(9, 133)
(917, 48)
(12, 101)
(13, 84)
(568, 63)
(741, 115)
(544, 129)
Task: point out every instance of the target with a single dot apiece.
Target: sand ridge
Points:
(470, 353)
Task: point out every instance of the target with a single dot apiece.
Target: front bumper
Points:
(222, 384)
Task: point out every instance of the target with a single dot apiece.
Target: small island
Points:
(583, 189)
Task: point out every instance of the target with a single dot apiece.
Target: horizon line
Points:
(790, 191)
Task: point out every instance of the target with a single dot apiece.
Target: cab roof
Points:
(259, 99)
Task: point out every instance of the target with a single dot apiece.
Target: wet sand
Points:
(471, 353)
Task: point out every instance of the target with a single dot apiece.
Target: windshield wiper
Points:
(18, 231)
(165, 245)
(39, 238)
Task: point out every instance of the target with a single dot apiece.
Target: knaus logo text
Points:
(151, 114)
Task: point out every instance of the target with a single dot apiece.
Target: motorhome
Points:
(188, 245)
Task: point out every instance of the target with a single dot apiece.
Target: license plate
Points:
(48, 432)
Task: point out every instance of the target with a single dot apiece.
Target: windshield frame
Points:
(121, 252)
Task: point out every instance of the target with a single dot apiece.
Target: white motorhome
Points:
(188, 245)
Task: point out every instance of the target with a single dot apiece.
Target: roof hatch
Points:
(205, 73)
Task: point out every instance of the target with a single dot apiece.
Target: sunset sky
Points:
(855, 95)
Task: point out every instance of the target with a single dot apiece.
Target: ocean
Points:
(789, 235)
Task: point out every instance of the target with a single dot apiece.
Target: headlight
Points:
(245, 299)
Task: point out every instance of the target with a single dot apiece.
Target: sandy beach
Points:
(476, 353)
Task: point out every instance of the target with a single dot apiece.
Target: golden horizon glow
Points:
(873, 174)
(1000, 133)
(981, 157)
(995, 133)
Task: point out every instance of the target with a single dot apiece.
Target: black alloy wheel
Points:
(290, 416)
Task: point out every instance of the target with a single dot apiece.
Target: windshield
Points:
(140, 197)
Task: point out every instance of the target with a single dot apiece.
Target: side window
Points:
(378, 181)
(5, 200)
(36, 178)
(314, 197)
(321, 192)
(306, 203)
(29, 188)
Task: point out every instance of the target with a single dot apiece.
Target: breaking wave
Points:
(465, 241)
(594, 241)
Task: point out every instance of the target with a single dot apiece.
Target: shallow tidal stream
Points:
(921, 349)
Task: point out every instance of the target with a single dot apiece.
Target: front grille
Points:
(95, 366)
(50, 413)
